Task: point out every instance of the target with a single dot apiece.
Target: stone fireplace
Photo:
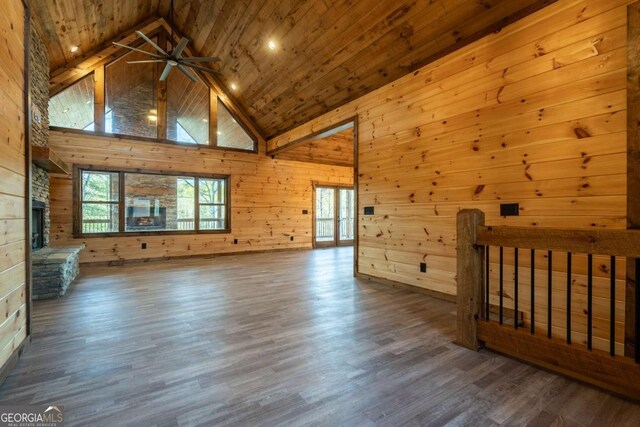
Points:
(54, 268)
(39, 73)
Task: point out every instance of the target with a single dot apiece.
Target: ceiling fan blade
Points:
(148, 40)
(201, 59)
(188, 74)
(145, 62)
(180, 47)
(197, 67)
(165, 72)
(137, 50)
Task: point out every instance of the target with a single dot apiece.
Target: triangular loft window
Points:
(187, 109)
(231, 134)
(73, 107)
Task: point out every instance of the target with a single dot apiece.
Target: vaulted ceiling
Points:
(327, 52)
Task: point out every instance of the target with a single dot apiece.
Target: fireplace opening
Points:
(37, 224)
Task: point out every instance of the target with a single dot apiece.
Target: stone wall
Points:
(39, 73)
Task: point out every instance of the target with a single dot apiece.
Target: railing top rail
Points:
(625, 243)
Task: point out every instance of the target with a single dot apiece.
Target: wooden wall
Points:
(533, 114)
(13, 251)
(267, 197)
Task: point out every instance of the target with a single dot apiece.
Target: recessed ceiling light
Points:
(73, 49)
(271, 44)
(205, 120)
(89, 102)
(152, 118)
(234, 86)
(219, 133)
(66, 110)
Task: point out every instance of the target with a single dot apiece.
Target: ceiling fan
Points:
(173, 58)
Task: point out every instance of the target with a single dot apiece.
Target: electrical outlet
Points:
(143, 246)
(235, 241)
(509, 209)
(305, 211)
(291, 238)
(368, 210)
(423, 267)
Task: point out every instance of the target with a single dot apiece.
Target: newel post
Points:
(470, 274)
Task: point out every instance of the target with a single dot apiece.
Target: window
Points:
(212, 203)
(73, 107)
(131, 100)
(137, 105)
(100, 202)
(150, 203)
(231, 134)
(187, 109)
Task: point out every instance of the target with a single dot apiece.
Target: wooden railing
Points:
(507, 329)
(205, 223)
(106, 225)
(325, 228)
(346, 228)
(98, 225)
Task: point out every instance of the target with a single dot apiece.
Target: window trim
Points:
(78, 202)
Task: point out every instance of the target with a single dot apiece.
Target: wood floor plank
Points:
(269, 340)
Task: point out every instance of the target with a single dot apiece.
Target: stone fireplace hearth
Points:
(54, 269)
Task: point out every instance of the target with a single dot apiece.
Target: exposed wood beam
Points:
(161, 91)
(213, 118)
(99, 99)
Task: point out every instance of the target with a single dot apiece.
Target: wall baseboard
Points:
(137, 261)
(405, 286)
(6, 369)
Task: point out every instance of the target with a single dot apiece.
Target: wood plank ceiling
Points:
(327, 52)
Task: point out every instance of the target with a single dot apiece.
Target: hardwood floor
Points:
(287, 338)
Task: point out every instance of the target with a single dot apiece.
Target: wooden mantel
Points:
(48, 160)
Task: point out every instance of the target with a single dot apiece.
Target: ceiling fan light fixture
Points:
(272, 44)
